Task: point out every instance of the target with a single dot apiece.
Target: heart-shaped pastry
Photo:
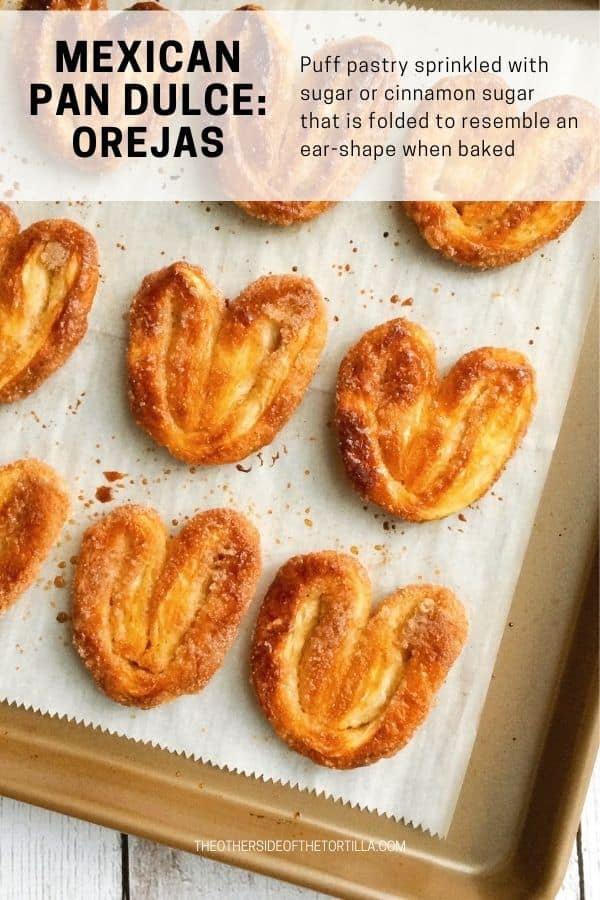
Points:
(48, 278)
(339, 684)
(422, 447)
(214, 381)
(542, 185)
(154, 617)
(34, 504)
(485, 235)
(261, 166)
(34, 63)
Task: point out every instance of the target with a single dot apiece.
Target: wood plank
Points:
(159, 873)
(590, 838)
(46, 856)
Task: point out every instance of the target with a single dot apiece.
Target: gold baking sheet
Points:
(519, 808)
(520, 804)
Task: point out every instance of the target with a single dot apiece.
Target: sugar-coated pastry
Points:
(289, 212)
(34, 54)
(153, 616)
(338, 683)
(48, 278)
(420, 446)
(214, 381)
(63, 5)
(486, 235)
(261, 168)
(84, 5)
(255, 148)
(34, 505)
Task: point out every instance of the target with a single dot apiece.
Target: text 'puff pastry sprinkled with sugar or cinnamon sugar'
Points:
(338, 684)
(422, 447)
(485, 235)
(154, 617)
(34, 505)
(214, 381)
(48, 278)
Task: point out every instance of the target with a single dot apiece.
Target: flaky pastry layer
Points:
(485, 235)
(153, 616)
(338, 683)
(34, 505)
(420, 446)
(48, 279)
(214, 381)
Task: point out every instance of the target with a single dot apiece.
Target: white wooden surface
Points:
(45, 856)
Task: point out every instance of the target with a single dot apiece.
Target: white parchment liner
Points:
(360, 256)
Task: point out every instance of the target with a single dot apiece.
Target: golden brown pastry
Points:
(154, 617)
(48, 278)
(214, 381)
(85, 5)
(290, 212)
(254, 148)
(261, 160)
(488, 235)
(555, 166)
(341, 685)
(34, 54)
(66, 5)
(9, 229)
(420, 446)
(34, 504)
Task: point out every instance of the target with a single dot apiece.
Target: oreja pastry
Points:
(48, 278)
(261, 168)
(62, 5)
(85, 5)
(420, 446)
(341, 685)
(154, 617)
(290, 212)
(214, 381)
(34, 505)
(255, 148)
(55, 126)
(485, 235)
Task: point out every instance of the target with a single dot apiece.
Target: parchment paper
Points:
(371, 265)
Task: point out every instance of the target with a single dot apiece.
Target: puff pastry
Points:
(154, 617)
(261, 157)
(35, 62)
(85, 5)
(34, 504)
(48, 278)
(341, 685)
(486, 235)
(214, 382)
(290, 212)
(422, 447)
(256, 147)
(66, 5)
